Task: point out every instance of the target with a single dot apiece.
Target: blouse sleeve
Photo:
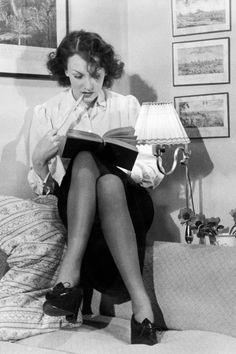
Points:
(145, 171)
(39, 127)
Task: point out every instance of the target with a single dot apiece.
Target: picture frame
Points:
(201, 62)
(204, 115)
(28, 34)
(191, 17)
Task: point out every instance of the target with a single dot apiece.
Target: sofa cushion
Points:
(195, 286)
(106, 335)
(33, 239)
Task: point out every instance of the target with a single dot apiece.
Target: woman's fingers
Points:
(53, 137)
(48, 146)
(52, 132)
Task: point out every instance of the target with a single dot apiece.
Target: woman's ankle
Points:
(143, 311)
(69, 273)
(68, 277)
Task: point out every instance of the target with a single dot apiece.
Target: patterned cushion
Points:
(33, 238)
(195, 286)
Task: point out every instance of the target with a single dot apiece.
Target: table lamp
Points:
(159, 125)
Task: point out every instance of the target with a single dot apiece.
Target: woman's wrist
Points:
(41, 168)
(50, 185)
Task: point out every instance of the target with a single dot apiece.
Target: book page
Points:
(120, 132)
(125, 134)
(80, 134)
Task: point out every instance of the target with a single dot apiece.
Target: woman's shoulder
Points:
(57, 99)
(125, 105)
(46, 114)
(54, 106)
(123, 102)
(121, 97)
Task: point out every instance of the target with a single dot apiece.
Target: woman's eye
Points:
(78, 76)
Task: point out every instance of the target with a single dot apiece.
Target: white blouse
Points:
(111, 110)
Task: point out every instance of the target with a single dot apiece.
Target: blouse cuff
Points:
(35, 182)
(147, 175)
(42, 187)
(50, 186)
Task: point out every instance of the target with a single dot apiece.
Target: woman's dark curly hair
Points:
(93, 49)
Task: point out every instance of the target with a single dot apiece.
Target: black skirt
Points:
(98, 267)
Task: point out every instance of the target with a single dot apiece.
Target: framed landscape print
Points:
(28, 32)
(204, 116)
(200, 16)
(201, 62)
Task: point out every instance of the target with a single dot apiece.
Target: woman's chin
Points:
(89, 98)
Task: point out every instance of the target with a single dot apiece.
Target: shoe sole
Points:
(51, 310)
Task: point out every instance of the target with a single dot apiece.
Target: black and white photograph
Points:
(117, 177)
(204, 116)
(29, 30)
(200, 16)
(201, 62)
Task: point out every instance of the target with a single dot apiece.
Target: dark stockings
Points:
(89, 190)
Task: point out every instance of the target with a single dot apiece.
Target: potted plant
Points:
(200, 225)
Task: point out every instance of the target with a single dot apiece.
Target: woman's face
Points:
(83, 82)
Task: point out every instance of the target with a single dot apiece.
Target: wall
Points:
(141, 33)
(212, 163)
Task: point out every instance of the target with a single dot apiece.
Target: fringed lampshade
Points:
(159, 124)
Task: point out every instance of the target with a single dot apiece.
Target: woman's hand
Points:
(46, 149)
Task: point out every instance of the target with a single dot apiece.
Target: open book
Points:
(118, 146)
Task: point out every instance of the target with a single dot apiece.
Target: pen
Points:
(79, 100)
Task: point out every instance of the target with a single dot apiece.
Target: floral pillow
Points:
(33, 238)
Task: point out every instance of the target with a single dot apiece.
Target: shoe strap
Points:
(60, 288)
(148, 326)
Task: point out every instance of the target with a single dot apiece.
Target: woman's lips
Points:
(87, 94)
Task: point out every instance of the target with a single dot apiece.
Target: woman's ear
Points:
(66, 73)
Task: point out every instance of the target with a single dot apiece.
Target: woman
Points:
(107, 211)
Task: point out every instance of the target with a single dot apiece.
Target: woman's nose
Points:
(88, 85)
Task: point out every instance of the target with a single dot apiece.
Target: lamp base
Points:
(158, 151)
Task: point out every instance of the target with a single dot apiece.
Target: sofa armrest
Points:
(195, 286)
(190, 287)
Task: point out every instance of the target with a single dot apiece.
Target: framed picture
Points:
(29, 31)
(200, 16)
(204, 116)
(201, 62)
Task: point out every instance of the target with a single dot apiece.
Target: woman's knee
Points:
(110, 186)
(83, 159)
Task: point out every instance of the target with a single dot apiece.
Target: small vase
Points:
(188, 234)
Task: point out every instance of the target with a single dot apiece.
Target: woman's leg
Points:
(81, 208)
(120, 236)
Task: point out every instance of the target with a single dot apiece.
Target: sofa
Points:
(192, 289)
